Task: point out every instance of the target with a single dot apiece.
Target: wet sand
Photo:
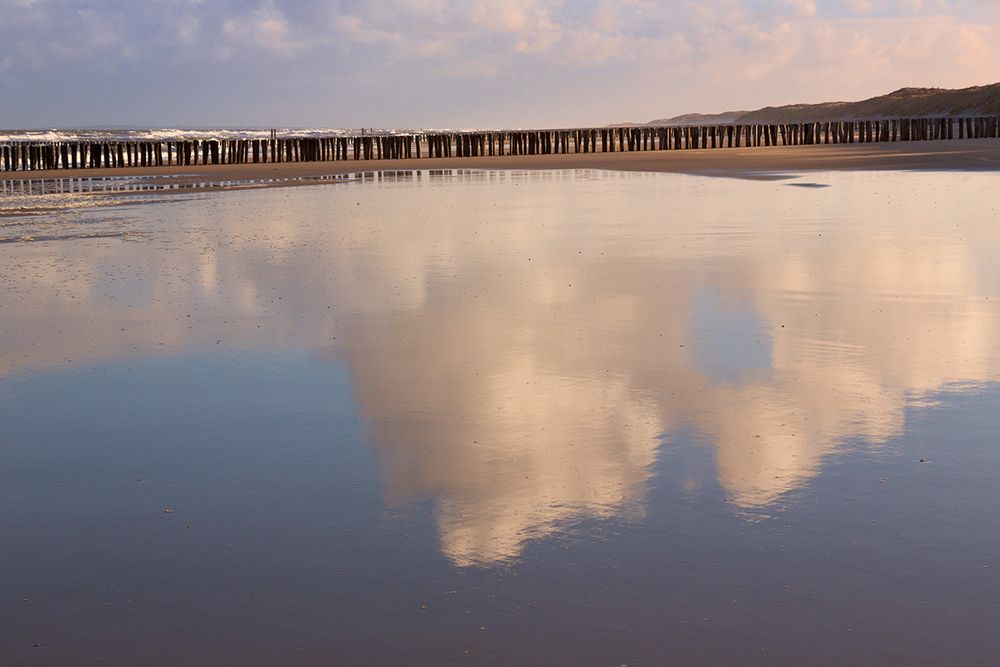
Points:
(756, 163)
(506, 417)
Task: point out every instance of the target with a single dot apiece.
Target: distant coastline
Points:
(906, 102)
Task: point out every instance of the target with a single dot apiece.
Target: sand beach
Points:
(757, 162)
(499, 333)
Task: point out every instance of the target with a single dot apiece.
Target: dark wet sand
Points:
(758, 163)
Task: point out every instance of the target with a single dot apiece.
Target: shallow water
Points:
(501, 417)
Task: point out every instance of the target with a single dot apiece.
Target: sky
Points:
(469, 63)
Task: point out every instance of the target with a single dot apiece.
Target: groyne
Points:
(31, 156)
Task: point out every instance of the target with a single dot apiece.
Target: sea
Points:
(177, 134)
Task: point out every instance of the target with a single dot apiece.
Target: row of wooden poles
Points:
(26, 156)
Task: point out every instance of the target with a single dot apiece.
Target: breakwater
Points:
(48, 155)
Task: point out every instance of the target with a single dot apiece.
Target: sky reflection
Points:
(518, 344)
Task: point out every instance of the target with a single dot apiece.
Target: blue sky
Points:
(454, 63)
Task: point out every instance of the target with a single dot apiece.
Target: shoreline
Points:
(759, 163)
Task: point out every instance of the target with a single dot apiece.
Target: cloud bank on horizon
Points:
(467, 63)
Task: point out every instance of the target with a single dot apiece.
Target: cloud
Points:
(636, 56)
(264, 27)
(803, 7)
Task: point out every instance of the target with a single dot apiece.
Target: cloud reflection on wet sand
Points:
(519, 344)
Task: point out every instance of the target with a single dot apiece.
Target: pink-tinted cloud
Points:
(477, 62)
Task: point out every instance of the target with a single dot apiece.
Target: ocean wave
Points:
(176, 134)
